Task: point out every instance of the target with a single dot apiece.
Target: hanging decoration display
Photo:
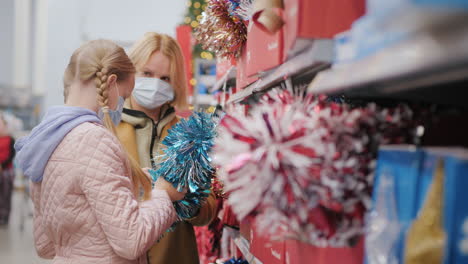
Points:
(305, 163)
(185, 161)
(241, 9)
(222, 30)
(217, 187)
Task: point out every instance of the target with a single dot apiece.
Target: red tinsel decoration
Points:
(220, 31)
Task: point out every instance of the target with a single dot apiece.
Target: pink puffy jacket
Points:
(84, 209)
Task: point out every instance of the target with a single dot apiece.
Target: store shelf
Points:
(242, 94)
(229, 75)
(208, 80)
(307, 63)
(205, 99)
(429, 66)
(244, 246)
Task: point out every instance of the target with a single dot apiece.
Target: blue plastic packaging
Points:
(412, 172)
(389, 22)
(403, 164)
(455, 216)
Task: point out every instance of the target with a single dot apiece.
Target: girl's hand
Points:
(146, 171)
(162, 184)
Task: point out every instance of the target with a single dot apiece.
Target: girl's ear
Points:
(111, 80)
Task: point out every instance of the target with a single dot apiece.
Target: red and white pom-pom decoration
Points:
(303, 165)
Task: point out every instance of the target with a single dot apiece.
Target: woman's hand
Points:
(162, 184)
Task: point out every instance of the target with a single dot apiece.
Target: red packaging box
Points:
(317, 19)
(222, 67)
(264, 50)
(299, 252)
(184, 38)
(242, 78)
(246, 229)
(219, 97)
(267, 251)
(229, 218)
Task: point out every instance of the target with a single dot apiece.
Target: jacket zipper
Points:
(153, 137)
(154, 134)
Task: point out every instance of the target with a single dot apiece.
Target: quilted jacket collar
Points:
(34, 150)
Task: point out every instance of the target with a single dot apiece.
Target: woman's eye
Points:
(147, 74)
(166, 79)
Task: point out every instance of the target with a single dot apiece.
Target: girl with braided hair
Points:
(86, 190)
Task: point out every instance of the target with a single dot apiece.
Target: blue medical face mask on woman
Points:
(115, 115)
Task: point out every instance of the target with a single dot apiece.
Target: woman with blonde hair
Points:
(160, 93)
(84, 187)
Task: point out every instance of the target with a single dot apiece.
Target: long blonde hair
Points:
(96, 61)
(168, 46)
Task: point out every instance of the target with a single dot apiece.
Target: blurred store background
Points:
(38, 36)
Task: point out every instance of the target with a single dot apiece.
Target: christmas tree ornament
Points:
(220, 31)
(186, 163)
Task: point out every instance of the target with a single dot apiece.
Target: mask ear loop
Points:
(106, 108)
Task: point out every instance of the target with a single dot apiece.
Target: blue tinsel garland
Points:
(186, 163)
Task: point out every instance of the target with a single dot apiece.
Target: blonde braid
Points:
(103, 98)
(102, 91)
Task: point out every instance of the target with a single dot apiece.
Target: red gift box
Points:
(229, 218)
(267, 251)
(264, 50)
(184, 38)
(318, 19)
(219, 97)
(246, 229)
(242, 78)
(299, 252)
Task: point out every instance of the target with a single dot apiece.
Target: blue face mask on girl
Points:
(115, 115)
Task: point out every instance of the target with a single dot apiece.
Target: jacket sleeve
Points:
(44, 246)
(207, 212)
(131, 227)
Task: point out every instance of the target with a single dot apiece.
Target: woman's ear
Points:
(111, 80)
